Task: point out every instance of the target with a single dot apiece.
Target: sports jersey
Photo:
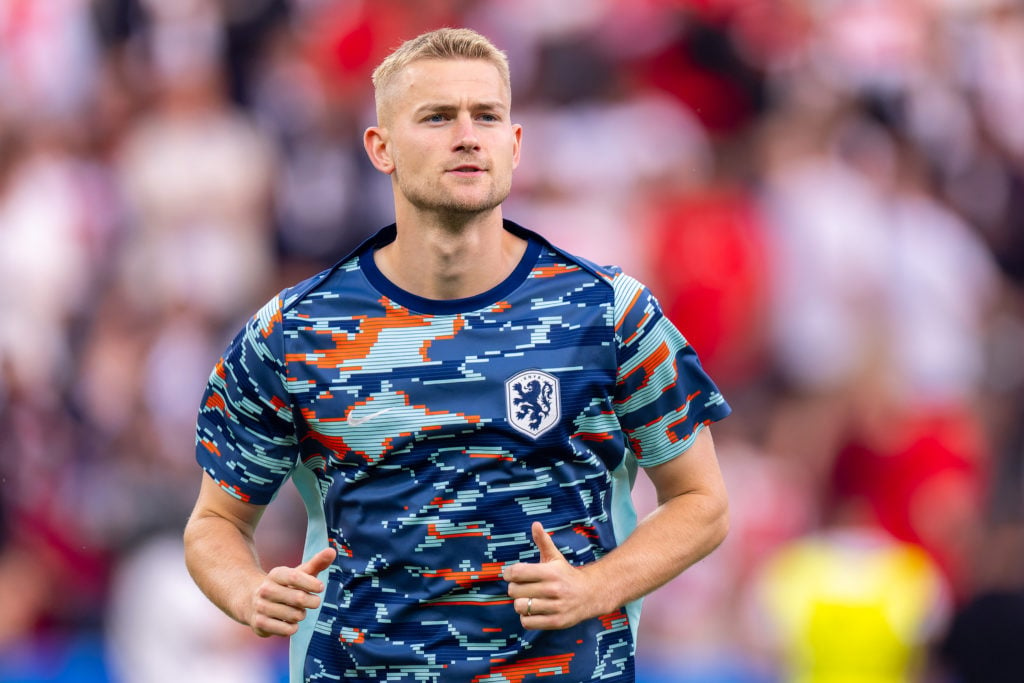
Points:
(426, 436)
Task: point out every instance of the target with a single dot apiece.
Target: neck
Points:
(450, 259)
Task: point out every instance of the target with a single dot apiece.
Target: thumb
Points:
(548, 550)
(319, 562)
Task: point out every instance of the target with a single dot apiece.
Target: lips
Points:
(466, 168)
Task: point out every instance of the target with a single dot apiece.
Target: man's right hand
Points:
(280, 602)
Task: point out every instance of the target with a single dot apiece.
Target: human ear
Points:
(376, 145)
(517, 143)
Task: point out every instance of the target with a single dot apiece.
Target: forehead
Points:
(434, 79)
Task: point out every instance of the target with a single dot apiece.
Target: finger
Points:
(274, 617)
(304, 577)
(285, 613)
(548, 550)
(529, 607)
(519, 575)
(294, 578)
(265, 626)
(281, 590)
(319, 562)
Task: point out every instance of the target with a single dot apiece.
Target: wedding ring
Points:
(529, 607)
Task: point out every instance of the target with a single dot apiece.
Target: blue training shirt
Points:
(426, 436)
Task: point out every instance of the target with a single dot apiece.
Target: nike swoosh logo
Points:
(357, 421)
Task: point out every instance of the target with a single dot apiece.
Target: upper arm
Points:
(214, 502)
(694, 471)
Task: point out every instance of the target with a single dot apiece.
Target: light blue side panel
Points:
(624, 521)
(316, 540)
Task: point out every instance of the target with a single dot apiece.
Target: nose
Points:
(465, 133)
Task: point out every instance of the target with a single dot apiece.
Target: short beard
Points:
(450, 205)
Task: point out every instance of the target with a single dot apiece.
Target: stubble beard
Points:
(439, 200)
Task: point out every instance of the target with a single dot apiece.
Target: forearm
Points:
(223, 562)
(690, 521)
(680, 532)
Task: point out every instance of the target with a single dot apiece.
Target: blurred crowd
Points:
(827, 196)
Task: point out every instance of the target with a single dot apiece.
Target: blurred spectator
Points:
(162, 630)
(994, 70)
(326, 200)
(981, 644)
(50, 244)
(829, 274)
(922, 475)
(711, 271)
(849, 603)
(197, 179)
(597, 203)
(47, 60)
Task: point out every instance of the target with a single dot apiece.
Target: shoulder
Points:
(332, 279)
(606, 273)
(630, 298)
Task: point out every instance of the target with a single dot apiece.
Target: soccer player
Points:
(463, 407)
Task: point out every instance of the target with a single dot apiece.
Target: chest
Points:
(382, 379)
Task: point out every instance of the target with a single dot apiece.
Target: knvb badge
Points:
(531, 400)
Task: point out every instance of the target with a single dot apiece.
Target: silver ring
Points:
(529, 606)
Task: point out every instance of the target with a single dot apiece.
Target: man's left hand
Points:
(550, 594)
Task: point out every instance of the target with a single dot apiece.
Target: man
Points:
(463, 407)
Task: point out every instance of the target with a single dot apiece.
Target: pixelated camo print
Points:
(435, 439)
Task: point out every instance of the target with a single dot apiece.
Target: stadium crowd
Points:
(826, 195)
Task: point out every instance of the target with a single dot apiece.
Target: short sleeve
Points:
(663, 395)
(245, 435)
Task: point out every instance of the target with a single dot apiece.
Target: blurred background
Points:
(827, 196)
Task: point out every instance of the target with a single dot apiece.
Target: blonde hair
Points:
(442, 43)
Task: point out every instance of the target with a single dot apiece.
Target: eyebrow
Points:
(482, 105)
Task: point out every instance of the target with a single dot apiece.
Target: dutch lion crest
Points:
(532, 402)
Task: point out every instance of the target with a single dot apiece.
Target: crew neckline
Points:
(449, 306)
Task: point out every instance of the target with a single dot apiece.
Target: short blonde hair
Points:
(442, 43)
